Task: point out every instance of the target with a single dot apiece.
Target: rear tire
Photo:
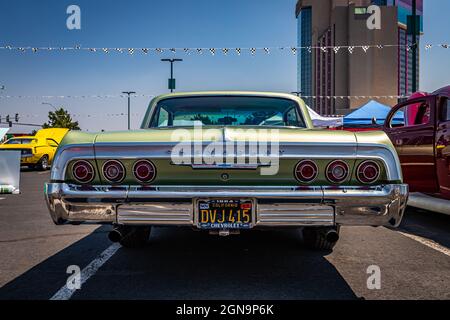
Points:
(315, 238)
(137, 237)
(43, 164)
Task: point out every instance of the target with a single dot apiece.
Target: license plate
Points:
(225, 214)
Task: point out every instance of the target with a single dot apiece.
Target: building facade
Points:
(378, 72)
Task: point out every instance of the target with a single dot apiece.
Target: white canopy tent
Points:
(321, 121)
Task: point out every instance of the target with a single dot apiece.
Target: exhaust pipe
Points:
(119, 233)
(331, 235)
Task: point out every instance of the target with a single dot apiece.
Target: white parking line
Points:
(44, 172)
(429, 243)
(65, 293)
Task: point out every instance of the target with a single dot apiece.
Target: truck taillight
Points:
(83, 171)
(368, 172)
(144, 171)
(113, 171)
(306, 171)
(337, 171)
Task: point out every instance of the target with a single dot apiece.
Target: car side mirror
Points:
(374, 120)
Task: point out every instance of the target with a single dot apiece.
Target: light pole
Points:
(49, 104)
(129, 93)
(171, 80)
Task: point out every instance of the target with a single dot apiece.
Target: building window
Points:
(305, 85)
(360, 10)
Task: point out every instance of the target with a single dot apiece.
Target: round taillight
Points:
(306, 171)
(83, 171)
(337, 171)
(144, 171)
(368, 172)
(113, 171)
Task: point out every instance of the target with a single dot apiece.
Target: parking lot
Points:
(182, 264)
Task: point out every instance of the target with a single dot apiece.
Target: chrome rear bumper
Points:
(275, 206)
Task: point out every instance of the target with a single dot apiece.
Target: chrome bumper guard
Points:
(275, 206)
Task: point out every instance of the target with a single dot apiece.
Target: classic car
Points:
(422, 141)
(39, 150)
(227, 162)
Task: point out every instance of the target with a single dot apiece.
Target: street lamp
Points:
(49, 104)
(171, 80)
(129, 93)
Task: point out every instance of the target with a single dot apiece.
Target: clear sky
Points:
(160, 23)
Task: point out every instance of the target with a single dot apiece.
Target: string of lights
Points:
(214, 51)
(151, 96)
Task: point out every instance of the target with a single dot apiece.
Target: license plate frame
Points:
(226, 224)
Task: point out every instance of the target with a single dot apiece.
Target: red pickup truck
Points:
(423, 142)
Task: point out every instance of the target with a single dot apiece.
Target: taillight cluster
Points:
(368, 172)
(144, 171)
(83, 171)
(113, 171)
(306, 171)
(337, 171)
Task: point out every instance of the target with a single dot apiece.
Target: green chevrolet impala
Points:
(225, 162)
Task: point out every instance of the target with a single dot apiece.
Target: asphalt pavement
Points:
(179, 263)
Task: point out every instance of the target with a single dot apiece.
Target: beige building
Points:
(378, 72)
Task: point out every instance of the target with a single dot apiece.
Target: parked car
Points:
(423, 142)
(39, 150)
(270, 169)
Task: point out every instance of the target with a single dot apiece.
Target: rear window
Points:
(20, 141)
(227, 111)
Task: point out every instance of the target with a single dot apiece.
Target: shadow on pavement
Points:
(427, 224)
(183, 264)
(46, 278)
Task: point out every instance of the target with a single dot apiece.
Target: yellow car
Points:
(37, 151)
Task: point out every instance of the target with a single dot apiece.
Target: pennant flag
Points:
(238, 51)
(225, 51)
(253, 51)
(212, 51)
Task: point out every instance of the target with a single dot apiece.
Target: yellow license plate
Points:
(225, 214)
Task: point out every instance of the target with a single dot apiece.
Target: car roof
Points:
(229, 93)
(445, 91)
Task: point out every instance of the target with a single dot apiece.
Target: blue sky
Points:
(160, 23)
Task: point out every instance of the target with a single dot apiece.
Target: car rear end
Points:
(137, 183)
